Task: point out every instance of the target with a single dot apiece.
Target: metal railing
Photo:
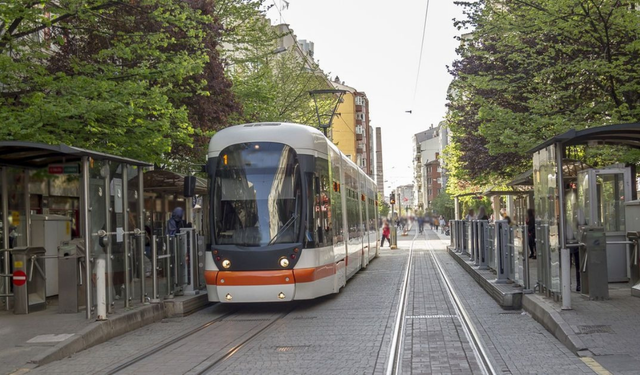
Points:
(498, 246)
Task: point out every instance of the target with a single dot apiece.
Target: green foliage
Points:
(271, 82)
(383, 207)
(532, 70)
(127, 78)
(444, 205)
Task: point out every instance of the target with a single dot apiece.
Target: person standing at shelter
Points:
(531, 230)
(176, 222)
(386, 233)
(470, 215)
(482, 214)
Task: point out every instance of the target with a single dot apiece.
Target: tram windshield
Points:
(257, 198)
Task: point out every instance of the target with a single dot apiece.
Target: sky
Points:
(374, 46)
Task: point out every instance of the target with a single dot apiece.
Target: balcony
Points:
(358, 136)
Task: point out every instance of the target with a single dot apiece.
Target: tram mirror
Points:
(189, 186)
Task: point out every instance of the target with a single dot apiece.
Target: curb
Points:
(552, 320)
(101, 331)
(510, 300)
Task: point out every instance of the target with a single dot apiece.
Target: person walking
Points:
(386, 232)
(470, 215)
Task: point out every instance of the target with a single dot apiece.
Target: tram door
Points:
(601, 197)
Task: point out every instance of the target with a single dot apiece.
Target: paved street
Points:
(349, 333)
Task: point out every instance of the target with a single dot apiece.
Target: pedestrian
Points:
(436, 223)
(505, 216)
(420, 223)
(470, 215)
(386, 232)
(531, 231)
(176, 222)
(482, 214)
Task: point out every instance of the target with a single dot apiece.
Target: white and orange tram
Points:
(291, 217)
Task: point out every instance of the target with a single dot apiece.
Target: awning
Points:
(32, 155)
(619, 134)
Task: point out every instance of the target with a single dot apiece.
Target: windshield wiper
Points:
(283, 228)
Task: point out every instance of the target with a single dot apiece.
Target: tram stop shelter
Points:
(586, 213)
(94, 249)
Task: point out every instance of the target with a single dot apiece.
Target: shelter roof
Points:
(618, 134)
(570, 169)
(32, 155)
(163, 181)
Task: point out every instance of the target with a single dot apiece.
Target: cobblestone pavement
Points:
(516, 342)
(349, 333)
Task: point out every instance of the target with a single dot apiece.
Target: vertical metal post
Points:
(168, 269)
(5, 234)
(142, 239)
(154, 265)
(564, 263)
(27, 207)
(109, 257)
(566, 274)
(127, 235)
(84, 231)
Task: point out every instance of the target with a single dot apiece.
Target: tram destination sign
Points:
(64, 169)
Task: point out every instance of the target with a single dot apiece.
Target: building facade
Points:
(350, 129)
(427, 169)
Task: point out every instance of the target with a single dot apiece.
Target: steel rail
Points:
(394, 361)
(166, 344)
(472, 334)
(237, 348)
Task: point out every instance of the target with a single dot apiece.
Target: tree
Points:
(383, 207)
(128, 78)
(534, 69)
(270, 81)
(442, 204)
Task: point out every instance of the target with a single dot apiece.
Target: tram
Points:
(291, 218)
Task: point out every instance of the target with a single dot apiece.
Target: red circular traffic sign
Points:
(19, 277)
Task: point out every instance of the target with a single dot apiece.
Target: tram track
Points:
(394, 362)
(239, 339)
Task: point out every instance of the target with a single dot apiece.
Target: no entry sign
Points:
(19, 278)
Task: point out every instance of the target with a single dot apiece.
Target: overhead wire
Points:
(424, 32)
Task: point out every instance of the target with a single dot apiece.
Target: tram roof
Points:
(33, 155)
(305, 139)
(617, 134)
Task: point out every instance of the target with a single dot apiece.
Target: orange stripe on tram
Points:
(307, 275)
(210, 277)
(236, 278)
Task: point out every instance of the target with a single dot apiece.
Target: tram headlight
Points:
(228, 297)
(284, 262)
(281, 295)
(226, 263)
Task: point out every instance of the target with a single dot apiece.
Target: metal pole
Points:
(168, 269)
(566, 274)
(143, 237)
(27, 207)
(84, 220)
(5, 234)
(154, 265)
(107, 212)
(127, 245)
(564, 263)
(100, 286)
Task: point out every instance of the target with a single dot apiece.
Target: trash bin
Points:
(28, 279)
(70, 286)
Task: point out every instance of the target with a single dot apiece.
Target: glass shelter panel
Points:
(547, 211)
